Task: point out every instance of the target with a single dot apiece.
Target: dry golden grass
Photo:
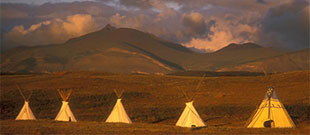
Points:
(153, 102)
(92, 127)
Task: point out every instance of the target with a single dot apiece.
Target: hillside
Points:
(124, 50)
(111, 49)
(234, 47)
(233, 54)
(299, 60)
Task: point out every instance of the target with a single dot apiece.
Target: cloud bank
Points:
(202, 24)
(287, 25)
(53, 31)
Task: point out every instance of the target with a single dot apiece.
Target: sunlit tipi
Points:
(118, 114)
(65, 113)
(25, 113)
(190, 117)
(271, 113)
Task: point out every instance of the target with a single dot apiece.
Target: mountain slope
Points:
(124, 50)
(231, 55)
(299, 60)
(120, 50)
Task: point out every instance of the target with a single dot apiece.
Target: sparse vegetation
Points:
(153, 102)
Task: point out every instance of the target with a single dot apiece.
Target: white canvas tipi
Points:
(65, 113)
(25, 113)
(190, 117)
(118, 114)
(271, 113)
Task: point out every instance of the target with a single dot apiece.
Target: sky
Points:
(205, 25)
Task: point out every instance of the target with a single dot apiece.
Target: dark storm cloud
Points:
(202, 24)
(196, 5)
(196, 25)
(261, 1)
(25, 14)
(143, 4)
(287, 25)
(26, 24)
(39, 2)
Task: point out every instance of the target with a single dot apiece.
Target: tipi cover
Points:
(25, 113)
(118, 114)
(271, 113)
(65, 113)
(190, 117)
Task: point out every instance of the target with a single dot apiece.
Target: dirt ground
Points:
(153, 102)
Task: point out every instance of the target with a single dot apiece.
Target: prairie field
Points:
(153, 102)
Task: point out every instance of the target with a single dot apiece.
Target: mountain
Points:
(111, 49)
(231, 55)
(237, 47)
(125, 50)
(299, 60)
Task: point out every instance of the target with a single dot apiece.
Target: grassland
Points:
(153, 102)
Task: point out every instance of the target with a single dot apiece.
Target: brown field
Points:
(153, 102)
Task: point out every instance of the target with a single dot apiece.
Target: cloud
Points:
(143, 4)
(9, 13)
(228, 29)
(261, 1)
(196, 25)
(164, 11)
(52, 31)
(287, 26)
(203, 24)
(216, 41)
(137, 22)
(12, 15)
(117, 19)
(39, 2)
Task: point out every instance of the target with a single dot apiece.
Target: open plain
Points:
(153, 102)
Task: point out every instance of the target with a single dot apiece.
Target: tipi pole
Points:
(30, 95)
(198, 86)
(187, 98)
(20, 91)
(269, 107)
(117, 94)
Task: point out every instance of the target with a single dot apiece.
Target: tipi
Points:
(271, 113)
(25, 113)
(65, 113)
(190, 117)
(118, 113)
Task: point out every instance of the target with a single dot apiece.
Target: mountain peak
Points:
(109, 27)
(234, 46)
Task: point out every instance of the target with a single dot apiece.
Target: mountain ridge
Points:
(233, 46)
(126, 50)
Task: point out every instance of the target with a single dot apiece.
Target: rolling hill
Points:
(231, 55)
(299, 60)
(125, 50)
